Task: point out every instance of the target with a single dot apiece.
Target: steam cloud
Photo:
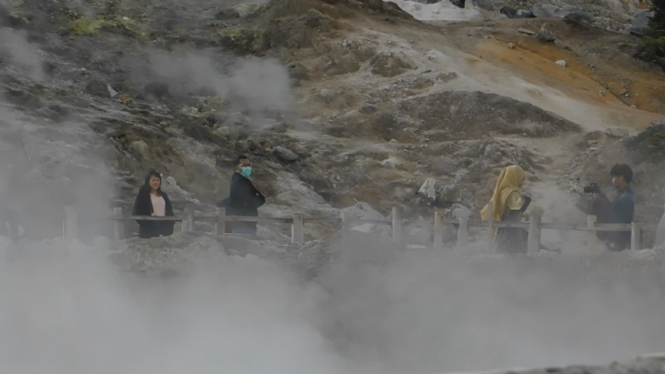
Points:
(260, 84)
(16, 49)
(65, 309)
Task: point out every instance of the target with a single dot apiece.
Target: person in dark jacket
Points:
(152, 201)
(621, 210)
(244, 199)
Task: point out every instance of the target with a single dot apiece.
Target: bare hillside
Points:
(336, 101)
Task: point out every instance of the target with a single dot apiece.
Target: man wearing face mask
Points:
(244, 199)
(621, 210)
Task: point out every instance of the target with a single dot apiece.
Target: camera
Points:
(592, 188)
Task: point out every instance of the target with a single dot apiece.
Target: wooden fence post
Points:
(635, 236)
(220, 227)
(438, 230)
(297, 229)
(398, 229)
(70, 223)
(118, 224)
(592, 240)
(533, 242)
(189, 215)
(490, 229)
(183, 224)
(346, 219)
(462, 233)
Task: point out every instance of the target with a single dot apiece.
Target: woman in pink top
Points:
(152, 201)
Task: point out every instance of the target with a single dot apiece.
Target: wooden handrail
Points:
(560, 226)
(297, 222)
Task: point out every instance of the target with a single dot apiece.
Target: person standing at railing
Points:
(152, 201)
(621, 210)
(244, 199)
(508, 205)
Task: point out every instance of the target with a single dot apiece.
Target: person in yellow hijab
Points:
(508, 204)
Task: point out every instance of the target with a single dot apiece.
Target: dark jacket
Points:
(623, 207)
(143, 207)
(513, 240)
(623, 210)
(244, 200)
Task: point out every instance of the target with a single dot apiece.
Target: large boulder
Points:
(284, 154)
(363, 211)
(579, 18)
(515, 13)
(437, 193)
(542, 10)
(294, 196)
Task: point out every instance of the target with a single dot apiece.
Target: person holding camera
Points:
(621, 210)
(508, 205)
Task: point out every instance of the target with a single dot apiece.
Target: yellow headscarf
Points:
(510, 179)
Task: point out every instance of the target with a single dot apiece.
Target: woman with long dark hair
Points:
(152, 201)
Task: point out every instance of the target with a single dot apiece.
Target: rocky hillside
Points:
(336, 101)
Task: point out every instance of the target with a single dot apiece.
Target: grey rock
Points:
(525, 13)
(444, 166)
(508, 11)
(98, 88)
(284, 154)
(435, 192)
(541, 10)
(429, 189)
(449, 193)
(363, 211)
(113, 93)
(291, 192)
(171, 181)
(223, 132)
(328, 94)
(516, 13)
(139, 149)
(545, 36)
(368, 109)
(391, 163)
(458, 3)
(579, 17)
(617, 133)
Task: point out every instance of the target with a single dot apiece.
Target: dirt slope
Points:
(367, 101)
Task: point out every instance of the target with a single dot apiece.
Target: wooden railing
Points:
(534, 226)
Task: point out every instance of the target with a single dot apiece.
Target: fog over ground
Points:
(64, 308)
